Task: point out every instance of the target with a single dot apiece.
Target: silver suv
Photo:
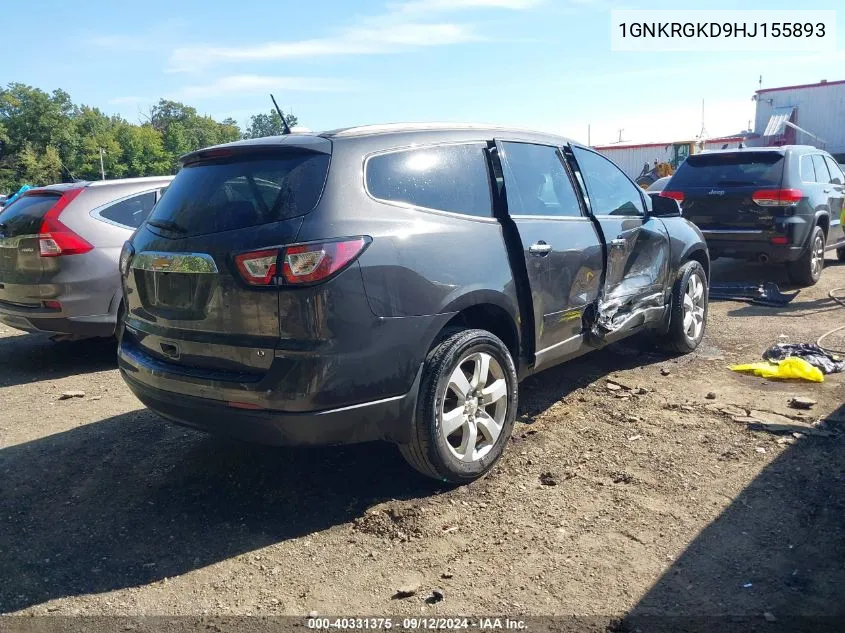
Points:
(59, 250)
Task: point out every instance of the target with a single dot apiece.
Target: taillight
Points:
(301, 263)
(258, 268)
(780, 240)
(54, 238)
(777, 197)
(675, 195)
(311, 263)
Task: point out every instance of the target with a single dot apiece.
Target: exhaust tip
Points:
(763, 258)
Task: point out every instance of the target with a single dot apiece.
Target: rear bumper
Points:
(94, 326)
(744, 246)
(387, 419)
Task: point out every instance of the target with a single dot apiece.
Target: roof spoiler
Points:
(268, 146)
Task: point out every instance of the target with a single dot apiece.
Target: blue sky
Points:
(543, 64)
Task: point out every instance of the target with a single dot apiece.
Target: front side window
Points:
(609, 190)
(130, 212)
(538, 183)
(452, 178)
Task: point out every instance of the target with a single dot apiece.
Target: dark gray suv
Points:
(395, 283)
(778, 205)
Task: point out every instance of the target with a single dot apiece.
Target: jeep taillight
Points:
(54, 238)
(675, 195)
(777, 197)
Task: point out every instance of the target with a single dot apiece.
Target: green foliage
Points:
(268, 124)
(46, 138)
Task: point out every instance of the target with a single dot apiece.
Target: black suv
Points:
(394, 282)
(768, 204)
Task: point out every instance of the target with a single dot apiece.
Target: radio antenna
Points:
(285, 126)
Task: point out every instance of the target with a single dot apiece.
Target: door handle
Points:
(827, 190)
(540, 248)
(618, 244)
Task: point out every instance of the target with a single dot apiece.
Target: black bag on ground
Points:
(810, 352)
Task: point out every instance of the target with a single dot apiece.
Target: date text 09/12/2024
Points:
(410, 623)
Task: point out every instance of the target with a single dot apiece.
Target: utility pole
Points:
(102, 167)
(588, 135)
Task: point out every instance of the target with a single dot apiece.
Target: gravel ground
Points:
(642, 498)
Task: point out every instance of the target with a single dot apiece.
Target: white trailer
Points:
(631, 158)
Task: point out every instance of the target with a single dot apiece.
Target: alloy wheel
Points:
(817, 260)
(694, 298)
(473, 407)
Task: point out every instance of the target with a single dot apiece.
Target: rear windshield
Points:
(221, 196)
(745, 169)
(24, 215)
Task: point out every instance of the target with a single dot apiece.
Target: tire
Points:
(430, 451)
(690, 289)
(118, 326)
(807, 270)
(840, 254)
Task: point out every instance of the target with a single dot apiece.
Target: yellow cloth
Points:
(791, 367)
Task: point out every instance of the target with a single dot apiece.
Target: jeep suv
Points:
(395, 283)
(768, 204)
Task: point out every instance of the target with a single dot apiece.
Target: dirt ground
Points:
(644, 499)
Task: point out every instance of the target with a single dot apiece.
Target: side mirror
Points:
(664, 207)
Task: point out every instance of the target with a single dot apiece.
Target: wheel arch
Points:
(698, 254)
(487, 310)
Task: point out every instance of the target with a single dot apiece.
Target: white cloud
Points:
(354, 41)
(404, 26)
(253, 84)
(423, 6)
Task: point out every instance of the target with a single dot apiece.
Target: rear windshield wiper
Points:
(168, 225)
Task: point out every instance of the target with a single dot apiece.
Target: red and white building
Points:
(807, 114)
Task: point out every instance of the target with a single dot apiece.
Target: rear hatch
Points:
(716, 190)
(30, 239)
(201, 285)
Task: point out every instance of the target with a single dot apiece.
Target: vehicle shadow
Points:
(35, 357)
(131, 500)
(537, 393)
(773, 560)
(736, 271)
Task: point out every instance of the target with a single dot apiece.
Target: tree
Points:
(45, 138)
(261, 125)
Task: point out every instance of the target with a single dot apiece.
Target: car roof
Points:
(399, 133)
(780, 149)
(61, 187)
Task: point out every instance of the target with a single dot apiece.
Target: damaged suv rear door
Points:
(636, 246)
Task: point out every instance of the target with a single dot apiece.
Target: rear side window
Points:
(822, 173)
(740, 169)
(539, 183)
(808, 174)
(238, 193)
(447, 178)
(24, 215)
(130, 212)
(835, 172)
